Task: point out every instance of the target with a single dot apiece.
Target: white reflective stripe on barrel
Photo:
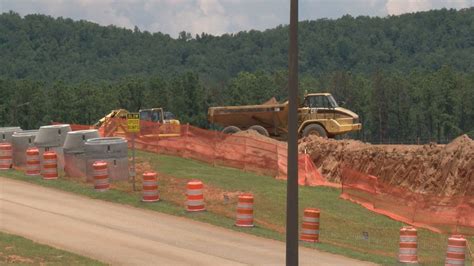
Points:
(33, 167)
(245, 216)
(6, 152)
(150, 192)
(101, 172)
(310, 219)
(49, 170)
(247, 206)
(310, 232)
(194, 192)
(195, 202)
(456, 249)
(410, 251)
(454, 261)
(408, 239)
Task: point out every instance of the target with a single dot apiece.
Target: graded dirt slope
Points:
(435, 169)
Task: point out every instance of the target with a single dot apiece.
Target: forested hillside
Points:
(408, 76)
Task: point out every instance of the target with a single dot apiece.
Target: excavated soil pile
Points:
(255, 135)
(434, 169)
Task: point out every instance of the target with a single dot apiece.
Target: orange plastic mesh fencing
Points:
(243, 151)
(442, 214)
(269, 157)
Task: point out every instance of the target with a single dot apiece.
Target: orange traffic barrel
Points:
(33, 161)
(310, 226)
(101, 176)
(6, 156)
(49, 167)
(245, 210)
(407, 252)
(456, 253)
(150, 187)
(195, 197)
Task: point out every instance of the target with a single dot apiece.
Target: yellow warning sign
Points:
(133, 122)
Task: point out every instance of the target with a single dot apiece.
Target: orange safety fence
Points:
(443, 214)
(250, 153)
(269, 157)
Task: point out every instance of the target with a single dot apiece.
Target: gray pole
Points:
(292, 182)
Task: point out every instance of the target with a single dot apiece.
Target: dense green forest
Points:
(408, 76)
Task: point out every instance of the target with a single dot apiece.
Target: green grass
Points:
(342, 222)
(21, 251)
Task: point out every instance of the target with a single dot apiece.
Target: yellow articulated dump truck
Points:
(318, 115)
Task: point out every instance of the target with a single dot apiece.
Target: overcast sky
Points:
(215, 16)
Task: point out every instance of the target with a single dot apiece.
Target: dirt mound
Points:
(435, 169)
(250, 133)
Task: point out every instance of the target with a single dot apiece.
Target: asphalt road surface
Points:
(123, 235)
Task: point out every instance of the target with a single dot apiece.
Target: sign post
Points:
(133, 126)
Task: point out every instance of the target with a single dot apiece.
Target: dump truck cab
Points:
(321, 115)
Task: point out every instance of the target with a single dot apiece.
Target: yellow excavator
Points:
(153, 122)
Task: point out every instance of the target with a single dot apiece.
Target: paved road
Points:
(123, 235)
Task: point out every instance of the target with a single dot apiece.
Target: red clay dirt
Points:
(434, 169)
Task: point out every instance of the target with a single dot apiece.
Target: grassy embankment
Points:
(342, 223)
(19, 250)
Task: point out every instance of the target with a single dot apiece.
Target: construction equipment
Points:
(153, 122)
(169, 125)
(318, 115)
(118, 113)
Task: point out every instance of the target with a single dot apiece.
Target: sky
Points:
(215, 17)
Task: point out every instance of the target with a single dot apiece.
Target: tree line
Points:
(43, 48)
(392, 106)
(408, 76)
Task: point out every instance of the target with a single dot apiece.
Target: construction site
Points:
(377, 203)
(429, 187)
(191, 133)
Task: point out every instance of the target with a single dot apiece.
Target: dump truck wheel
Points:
(315, 129)
(261, 130)
(230, 130)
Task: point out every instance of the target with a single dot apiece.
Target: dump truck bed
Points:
(245, 116)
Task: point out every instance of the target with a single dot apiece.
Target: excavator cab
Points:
(153, 122)
(157, 115)
(169, 126)
(153, 115)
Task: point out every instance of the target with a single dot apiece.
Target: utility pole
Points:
(292, 181)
